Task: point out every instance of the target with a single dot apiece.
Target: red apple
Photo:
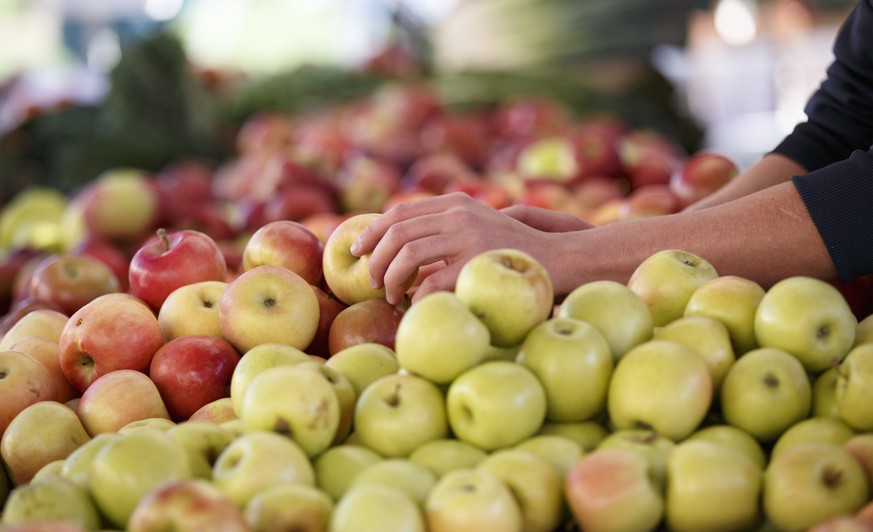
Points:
(465, 136)
(21, 279)
(299, 202)
(596, 142)
(435, 171)
(264, 132)
(700, 175)
(529, 117)
(71, 281)
(597, 190)
(192, 371)
(366, 183)
(109, 254)
(329, 308)
(288, 244)
(118, 398)
(208, 217)
(182, 184)
(370, 321)
(112, 332)
(11, 261)
(651, 200)
(649, 158)
(171, 260)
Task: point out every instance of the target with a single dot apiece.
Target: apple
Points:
(44, 323)
(468, 499)
(396, 414)
(118, 398)
(191, 371)
(860, 446)
(854, 384)
(615, 310)
(347, 276)
(810, 483)
(41, 433)
(113, 256)
(216, 412)
(203, 441)
(508, 290)
(112, 332)
(707, 337)
(824, 394)
(661, 385)
(666, 280)
(366, 183)
(529, 116)
(49, 470)
(160, 423)
(439, 338)
(192, 309)
(611, 489)
(410, 477)
(462, 135)
(808, 318)
(732, 300)
(12, 260)
(322, 224)
(268, 304)
(701, 174)
(534, 482)
(181, 184)
(377, 507)
(370, 321)
(77, 465)
(363, 363)
(587, 434)
(257, 360)
(821, 429)
(496, 404)
(561, 452)
(119, 204)
(864, 331)
(55, 502)
(650, 200)
(734, 438)
(431, 173)
(289, 507)
(337, 467)
(573, 362)
(296, 402)
(649, 157)
(329, 307)
(258, 460)
(23, 382)
(765, 392)
(654, 447)
(549, 158)
(125, 469)
(288, 244)
(712, 487)
(447, 454)
(46, 352)
(187, 504)
(70, 281)
(173, 259)
(345, 394)
(299, 201)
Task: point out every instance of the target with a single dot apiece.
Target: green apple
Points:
(447, 454)
(535, 484)
(439, 338)
(808, 318)
(52, 500)
(120, 203)
(707, 337)
(41, 433)
(661, 385)
(765, 392)
(77, 466)
(289, 507)
(666, 280)
(824, 394)
(268, 304)
(810, 483)
(864, 331)
(501, 353)
(296, 402)
(192, 309)
(51, 469)
(398, 413)
(551, 158)
(496, 404)
(408, 476)
(614, 309)
(559, 451)
(712, 487)
(203, 441)
(259, 460)
(860, 446)
(187, 504)
(376, 507)
(509, 290)
(654, 447)
(822, 429)
(733, 301)
(855, 386)
(126, 468)
(611, 489)
(470, 500)
(348, 276)
(735, 438)
(588, 434)
(363, 363)
(257, 360)
(337, 467)
(573, 362)
(158, 423)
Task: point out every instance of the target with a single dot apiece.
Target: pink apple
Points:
(433, 172)
(109, 254)
(192, 371)
(188, 504)
(71, 281)
(366, 183)
(370, 321)
(112, 332)
(171, 260)
(465, 136)
(182, 184)
(322, 224)
(288, 244)
(700, 175)
(118, 398)
(299, 202)
(217, 411)
(651, 200)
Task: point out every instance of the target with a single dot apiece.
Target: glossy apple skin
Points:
(370, 321)
(187, 256)
(115, 331)
(192, 371)
(329, 308)
(71, 281)
(288, 244)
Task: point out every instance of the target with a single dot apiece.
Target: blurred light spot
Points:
(735, 22)
(103, 50)
(161, 10)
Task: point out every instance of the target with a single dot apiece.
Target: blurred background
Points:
(89, 84)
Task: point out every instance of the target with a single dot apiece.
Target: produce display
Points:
(197, 349)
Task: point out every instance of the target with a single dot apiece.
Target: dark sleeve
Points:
(839, 199)
(840, 112)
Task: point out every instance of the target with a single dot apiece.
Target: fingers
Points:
(443, 279)
(412, 254)
(545, 219)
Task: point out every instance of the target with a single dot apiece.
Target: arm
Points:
(772, 169)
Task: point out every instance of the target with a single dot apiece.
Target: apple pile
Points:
(293, 396)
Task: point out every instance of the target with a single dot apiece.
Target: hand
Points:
(451, 228)
(545, 219)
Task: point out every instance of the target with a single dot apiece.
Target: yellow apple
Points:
(192, 309)
(733, 301)
(471, 500)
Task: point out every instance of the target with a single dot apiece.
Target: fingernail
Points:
(354, 247)
(373, 283)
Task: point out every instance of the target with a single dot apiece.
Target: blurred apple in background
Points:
(463, 135)
(288, 244)
(700, 175)
(119, 398)
(11, 262)
(71, 281)
(113, 256)
(53, 505)
(370, 321)
(289, 507)
(551, 159)
(120, 204)
(649, 158)
(366, 183)
(192, 309)
(650, 200)
(171, 260)
(26, 381)
(322, 224)
(299, 202)
(180, 185)
(434, 172)
(114, 331)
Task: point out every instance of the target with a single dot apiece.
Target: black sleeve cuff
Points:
(839, 198)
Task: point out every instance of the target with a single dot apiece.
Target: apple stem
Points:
(162, 234)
